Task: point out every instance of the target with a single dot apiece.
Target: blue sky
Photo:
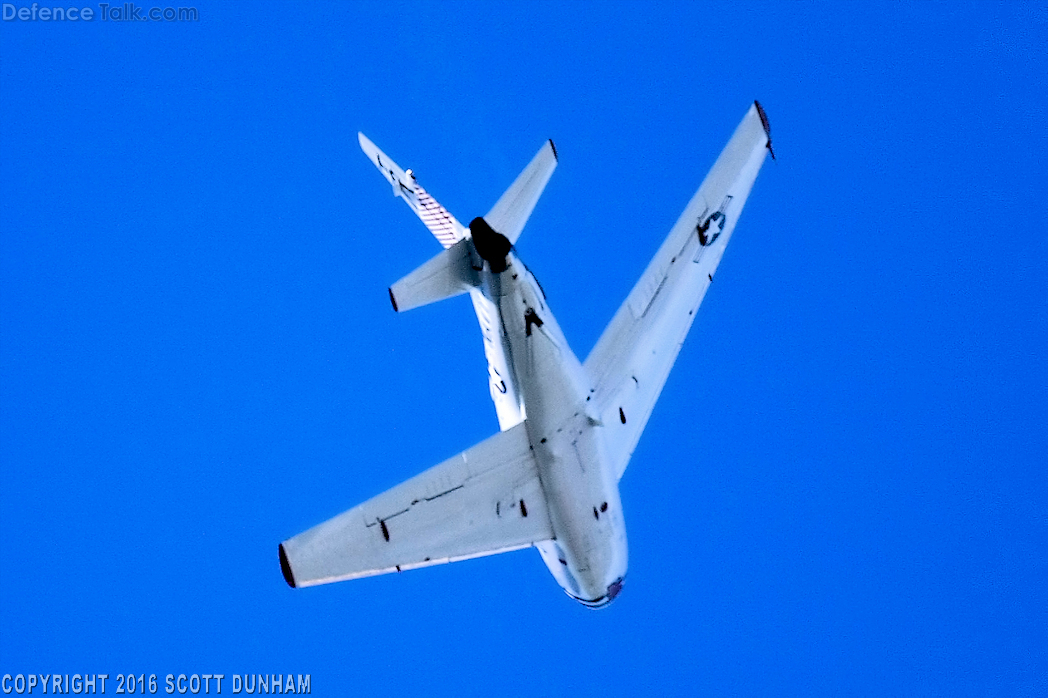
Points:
(842, 490)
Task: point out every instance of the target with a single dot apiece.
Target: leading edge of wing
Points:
(483, 501)
(634, 355)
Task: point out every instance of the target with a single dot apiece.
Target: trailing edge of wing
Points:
(634, 355)
(514, 207)
(483, 501)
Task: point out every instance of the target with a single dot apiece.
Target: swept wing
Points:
(633, 357)
(483, 501)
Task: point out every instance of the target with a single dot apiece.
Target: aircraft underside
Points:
(549, 479)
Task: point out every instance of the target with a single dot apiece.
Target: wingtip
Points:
(765, 124)
(285, 567)
(393, 300)
(554, 146)
(364, 141)
(764, 117)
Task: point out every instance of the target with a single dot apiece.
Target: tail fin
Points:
(447, 275)
(514, 207)
(440, 222)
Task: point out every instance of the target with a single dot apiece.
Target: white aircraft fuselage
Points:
(588, 556)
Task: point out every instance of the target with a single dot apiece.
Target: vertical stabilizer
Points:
(438, 219)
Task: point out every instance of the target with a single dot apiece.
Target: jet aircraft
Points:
(549, 479)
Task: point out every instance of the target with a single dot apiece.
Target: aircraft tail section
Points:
(449, 274)
(456, 270)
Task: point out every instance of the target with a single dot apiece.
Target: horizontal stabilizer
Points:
(446, 275)
(514, 207)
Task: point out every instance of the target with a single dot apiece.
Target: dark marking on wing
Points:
(531, 318)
